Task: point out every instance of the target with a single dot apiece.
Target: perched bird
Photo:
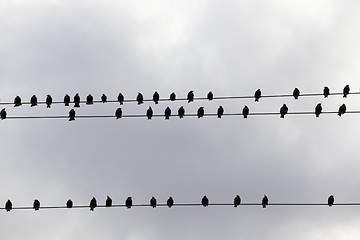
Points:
(128, 202)
(89, 99)
(257, 95)
(190, 96)
(172, 96)
(318, 109)
(245, 111)
(71, 115)
(67, 100)
(36, 205)
(69, 204)
(237, 201)
(77, 100)
(342, 110)
(205, 201)
(167, 113)
(220, 111)
(210, 96)
(153, 202)
(104, 98)
(17, 101)
(200, 112)
(120, 98)
(3, 114)
(93, 204)
(346, 91)
(326, 92)
(283, 110)
(140, 98)
(156, 97)
(296, 93)
(170, 202)
(265, 201)
(181, 112)
(8, 205)
(118, 113)
(108, 202)
(48, 101)
(33, 101)
(149, 113)
(331, 200)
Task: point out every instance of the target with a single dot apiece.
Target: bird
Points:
(257, 95)
(210, 96)
(220, 111)
(36, 205)
(17, 101)
(67, 100)
(205, 201)
(89, 99)
(342, 110)
(69, 204)
(283, 110)
(72, 115)
(331, 200)
(3, 114)
(77, 100)
(190, 96)
(153, 202)
(346, 91)
(48, 101)
(167, 113)
(296, 93)
(170, 202)
(318, 109)
(128, 202)
(172, 96)
(120, 98)
(181, 112)
(156, 97)
(265, 201)
(200, 112)
(118, 113)
(104, 98)
(237, 201)
(245, 111)
(8, 205)
(326, 92)
(149, 113)
(93, 204)
(108, 202)
(33, 101)
(140, 98)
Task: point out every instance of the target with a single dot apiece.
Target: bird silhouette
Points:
(283, 110)
(118, 113)
(296, 93)
(48, 101)
(128, 202)
(318, 110)
(69, 204)
(220, 111)
(120, 98)
(89, 99)
(326, 92)
(8, 205)
(172, 96)
(210, 96)
(190, 96)
(93, 204)
(36, 205)
(108, 202)
(346, 91)
(156, 97)
(237, 201)
(104, 98)
(265, 201)
(331, 200)
(33, 101)
(153, 202)
(181, 112)
(67, 100)
(17, 101)
(149, 113)
(200, 112)
(167, 113)
(245, 111)
(170, 202)
(257, 95)
(3, 114)
(342, 110)
(140, 98)
(72, 115)
(205, 201)
(77, 100)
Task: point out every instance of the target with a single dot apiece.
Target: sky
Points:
(231, 48)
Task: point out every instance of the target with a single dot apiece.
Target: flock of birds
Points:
(167, 113)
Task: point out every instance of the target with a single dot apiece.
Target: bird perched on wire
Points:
(167, 113)
(318, 110)
(67, 100)
(220, 111)
(128, 202)
(210, 96)
(118, 113)
(149, 113)
(331, 200)
(265, 201)
(108, 202)
(190, 96)
(326, 92)
(69, 204)
(77, 100)
(33, 101)
(170, 202)
(346, 91)
(181, 112)
(153, 202)
(36, 205)
(48, 101)
(120, 98)
(283, 110)
(3, 114)
(8, 205)
(172, 96)
(257, 95)
(296, 93)
(342, 110)
(237, 201)
(156, 97)
(140, 98)
(205, 201)
(72, 115)
(200, 112)
(17, 101)
(93, 204)
(104, 98)
(245, 111)
(89, 99)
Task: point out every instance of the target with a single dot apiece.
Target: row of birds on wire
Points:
(153, 203)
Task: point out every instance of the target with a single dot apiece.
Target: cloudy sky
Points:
(229, 47)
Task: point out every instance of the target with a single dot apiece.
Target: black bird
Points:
(128, 202)
(93, 204)
(326, 92)
(8, 205)
(167, 113)
(153, 202)
(104, 98)
(245, 111)
(200, 112)
(33, 101)
(331, 200)
(48, 101)
(318, 110)
(3, 114)
(89, 99)
(265, 201)
(149, 113)
(296, 93)
(342, 110)
(283, 110)
(156, 97)
(172, 96)
(237, 201)
(205, 201)
(36, 205)
(67, 100)
(69, 204)
(108, 202)
(77, 100)
(190, 96)
(71, 115)
(346, 91)
(17, 101)
(181, 112)
(220, 111)
(210, 96)
(118, 113)
(257, 95)
(120, 98)
(170, 202)
(140, 98)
